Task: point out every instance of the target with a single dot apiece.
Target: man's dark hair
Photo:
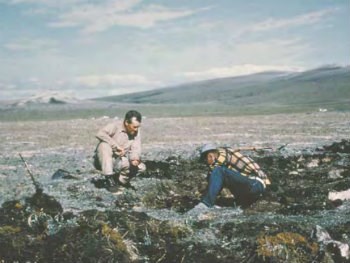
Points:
(131, 114)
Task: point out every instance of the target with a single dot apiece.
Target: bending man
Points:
(235, 171)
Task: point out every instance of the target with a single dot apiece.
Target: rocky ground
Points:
(303, 216)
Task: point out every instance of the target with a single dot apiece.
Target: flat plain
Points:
(182, 133)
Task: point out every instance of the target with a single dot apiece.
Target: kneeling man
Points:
(118, 153)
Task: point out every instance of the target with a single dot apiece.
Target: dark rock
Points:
(63, 174)
(339, 147)
(46, 203)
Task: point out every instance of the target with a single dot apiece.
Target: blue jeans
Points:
(245, 190)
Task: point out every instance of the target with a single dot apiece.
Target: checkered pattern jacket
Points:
(238, 162)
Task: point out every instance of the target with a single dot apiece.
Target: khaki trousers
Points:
(110, 164)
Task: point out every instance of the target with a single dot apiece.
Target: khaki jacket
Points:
(115, 133)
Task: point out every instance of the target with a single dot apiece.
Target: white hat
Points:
(207, 148)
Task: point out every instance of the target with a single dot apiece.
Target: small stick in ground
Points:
(38, 187)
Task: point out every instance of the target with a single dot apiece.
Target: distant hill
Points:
(329, 85)
(49, 97)
(317, 90)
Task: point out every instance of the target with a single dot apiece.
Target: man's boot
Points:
(104, 181)
(108, 180)
(111, 183)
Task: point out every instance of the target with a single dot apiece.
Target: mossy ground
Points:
(73, 221)
(277, 228)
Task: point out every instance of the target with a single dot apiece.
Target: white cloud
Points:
(88, 14)
(237, 30)
(116, 80)
(153, 14)
(97, 18)
(50, 3)
(305, 19)
(215, 59)
(281, 51)
(27, 44)
(6, 86)
(237, 70)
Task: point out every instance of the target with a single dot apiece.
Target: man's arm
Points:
(106, 133)
(135, 150)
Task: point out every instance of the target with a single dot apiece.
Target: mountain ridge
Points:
(323, 85)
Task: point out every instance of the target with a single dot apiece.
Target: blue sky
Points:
(91, 48)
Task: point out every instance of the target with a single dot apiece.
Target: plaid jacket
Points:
(238, 162)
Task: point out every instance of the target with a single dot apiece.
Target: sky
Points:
(91, 48)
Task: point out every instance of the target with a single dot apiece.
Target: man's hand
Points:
(117, 150)
(120, 152)
(135, 162)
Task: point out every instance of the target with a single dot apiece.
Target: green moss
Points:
(9, 230)
(175, 230)
(286, 246)
(115, 237)
(159, 196)
(168, 230)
